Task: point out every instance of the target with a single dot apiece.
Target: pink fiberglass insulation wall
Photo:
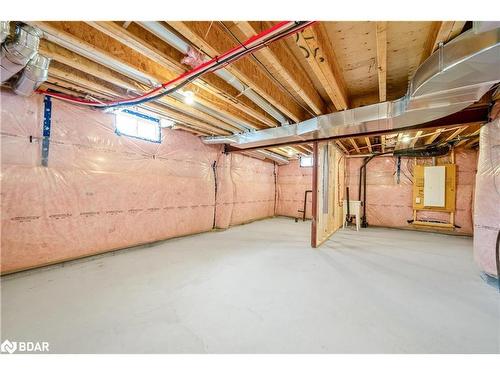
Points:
(487, 199)
(293, 180)
(102, 191)
(390, 203)
(245, 190)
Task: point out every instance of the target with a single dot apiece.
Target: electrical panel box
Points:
(434, 188)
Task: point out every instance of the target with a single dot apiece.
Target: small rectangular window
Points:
(306, 161)
(138, 125)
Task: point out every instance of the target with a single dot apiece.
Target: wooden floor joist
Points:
(381, 38)
(212, 39)
(321, 58)
(283, 61)
(139, 44)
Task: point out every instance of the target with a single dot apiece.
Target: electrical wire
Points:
(270, 74)
(254, 43)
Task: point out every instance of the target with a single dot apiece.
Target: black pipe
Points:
(364, 223)
(348, 214)
(423, 153)
(498, 259)
(305, 206)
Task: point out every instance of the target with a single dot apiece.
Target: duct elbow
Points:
(33, 75)
(16, 52)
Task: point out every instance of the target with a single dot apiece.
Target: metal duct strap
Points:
(35, 73)
(16, 52)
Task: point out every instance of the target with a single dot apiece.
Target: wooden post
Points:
(314, 196)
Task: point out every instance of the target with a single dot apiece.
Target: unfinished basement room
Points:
(250, 187)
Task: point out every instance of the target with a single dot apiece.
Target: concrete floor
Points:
(259, 288)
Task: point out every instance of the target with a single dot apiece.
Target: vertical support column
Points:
(314, 207)
(47, 117)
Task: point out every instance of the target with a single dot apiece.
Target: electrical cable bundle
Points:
(280, 30)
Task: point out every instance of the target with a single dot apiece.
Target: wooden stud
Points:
(381, 37)
(382, 142)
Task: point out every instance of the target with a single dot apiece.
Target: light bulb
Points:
(188, 97)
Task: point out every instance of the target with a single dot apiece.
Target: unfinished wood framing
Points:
(328, 189)
(321, 58)
(381, 34)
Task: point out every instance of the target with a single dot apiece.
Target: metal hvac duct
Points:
(4, 30)
(33, 75)
(451, 79)
(16, 52)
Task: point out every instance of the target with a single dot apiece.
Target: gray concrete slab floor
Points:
(260, 288)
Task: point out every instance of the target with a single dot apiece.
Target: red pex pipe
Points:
(214, 61)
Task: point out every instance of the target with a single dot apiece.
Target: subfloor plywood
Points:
(260, 288)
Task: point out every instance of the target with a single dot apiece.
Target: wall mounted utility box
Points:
(434, 188)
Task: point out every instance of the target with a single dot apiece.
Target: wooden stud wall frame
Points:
(328, 188)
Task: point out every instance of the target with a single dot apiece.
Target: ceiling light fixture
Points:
(406, 138)
(188, 97)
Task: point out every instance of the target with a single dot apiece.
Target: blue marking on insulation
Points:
(47, 119)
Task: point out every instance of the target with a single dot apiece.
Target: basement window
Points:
(138, 125)
(306, 161)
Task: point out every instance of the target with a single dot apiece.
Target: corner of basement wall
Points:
(102, 192)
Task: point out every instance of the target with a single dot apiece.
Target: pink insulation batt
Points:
(487, 200)
(293, 181)
(102, 191)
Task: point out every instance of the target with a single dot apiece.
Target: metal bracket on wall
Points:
(47, 117)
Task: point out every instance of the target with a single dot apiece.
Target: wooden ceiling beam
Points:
(342, 147)
(456, 133)
(139, 44)
(319, 55)
(416, 138)
(123, 59)
(213, 40)
(72, 59)
(433, 136)
(465, 141)
(283, 61)
(91, 85)
(354, 144)
(441, 32)
(381, 37)
(368, 144)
